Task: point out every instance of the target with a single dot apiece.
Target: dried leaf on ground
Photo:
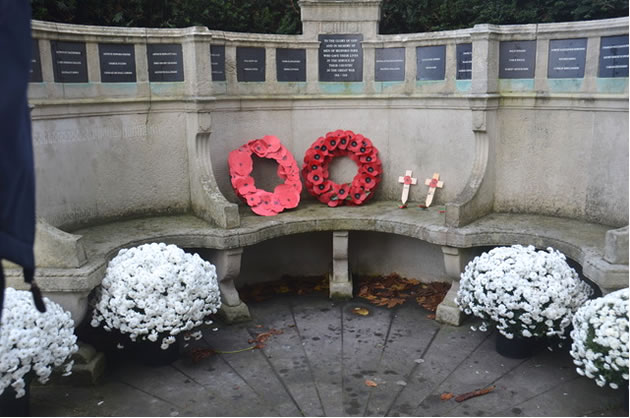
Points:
(432, 294)
(446, 396)
(393, 290)
(198, 354)
(474, 393)
(261, 338)
(361, 311)
(371, 383)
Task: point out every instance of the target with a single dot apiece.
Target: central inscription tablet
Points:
(341, 57)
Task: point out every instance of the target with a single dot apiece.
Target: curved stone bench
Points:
(80, 258)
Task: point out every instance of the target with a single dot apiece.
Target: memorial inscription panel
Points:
(35, 74)
(165, 62)
(340, 57)
(464, 61)
(389, 64)
(118, 63)
(291, 64)
(613, 56)
(250, 64)
(517, 59)
(69, 62)
(217, 62)
(567, 58)
(430, 62)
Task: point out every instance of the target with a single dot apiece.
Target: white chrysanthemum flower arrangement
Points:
(600, 339)
(156, 291)
(524, 292)
(32, 342)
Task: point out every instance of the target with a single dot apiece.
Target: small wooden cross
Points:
(407, 180)
(432, 183)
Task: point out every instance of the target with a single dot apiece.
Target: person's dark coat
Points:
(17, 178)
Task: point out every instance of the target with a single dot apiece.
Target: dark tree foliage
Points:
(257, 16)
(408, 16)
(283, 16)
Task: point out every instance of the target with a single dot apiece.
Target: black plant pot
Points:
(517, 347)
(151, 354)
(10, 406)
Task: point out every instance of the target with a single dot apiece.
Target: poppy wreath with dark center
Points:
(262, 202)
(338, 144)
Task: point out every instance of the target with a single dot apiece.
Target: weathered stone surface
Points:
(55, 248)
(581, 241)
(448, 312)
(234, 314)
(616, 249)
(319, 366)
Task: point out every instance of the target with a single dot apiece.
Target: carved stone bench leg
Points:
(228, 264)
(341, 279)
(454, 263)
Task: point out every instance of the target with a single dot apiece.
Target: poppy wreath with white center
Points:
(339, 144)
(262, 202)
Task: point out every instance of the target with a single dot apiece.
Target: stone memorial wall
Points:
(134, 108)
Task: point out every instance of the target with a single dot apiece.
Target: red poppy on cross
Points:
(407, 180)
(432, 183)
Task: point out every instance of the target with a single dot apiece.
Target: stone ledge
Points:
(580, 241)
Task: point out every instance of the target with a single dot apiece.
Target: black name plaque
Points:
(165, 62)
(118, 63)
(517, 59)
(430, 62)
(464, 61)
(613, 56)
(291, 64)
(567, 58)
(69, 62)
(389, 64)
(250, 64)
(35, 75)
(217, 62)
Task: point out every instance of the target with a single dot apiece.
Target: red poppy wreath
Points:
(337, 144)
(284, 196)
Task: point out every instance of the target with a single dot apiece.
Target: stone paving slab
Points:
(252, 366)
(319, 365)
(318, 322)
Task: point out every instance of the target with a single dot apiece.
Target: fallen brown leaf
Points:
(431, 316)
(261, 338)
(361, 311)
(198, 354)
(430, 295)
(446, 396)
(371, 383)
(393, 290)
(474, 393)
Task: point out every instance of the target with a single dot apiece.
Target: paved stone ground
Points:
(319, 364)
